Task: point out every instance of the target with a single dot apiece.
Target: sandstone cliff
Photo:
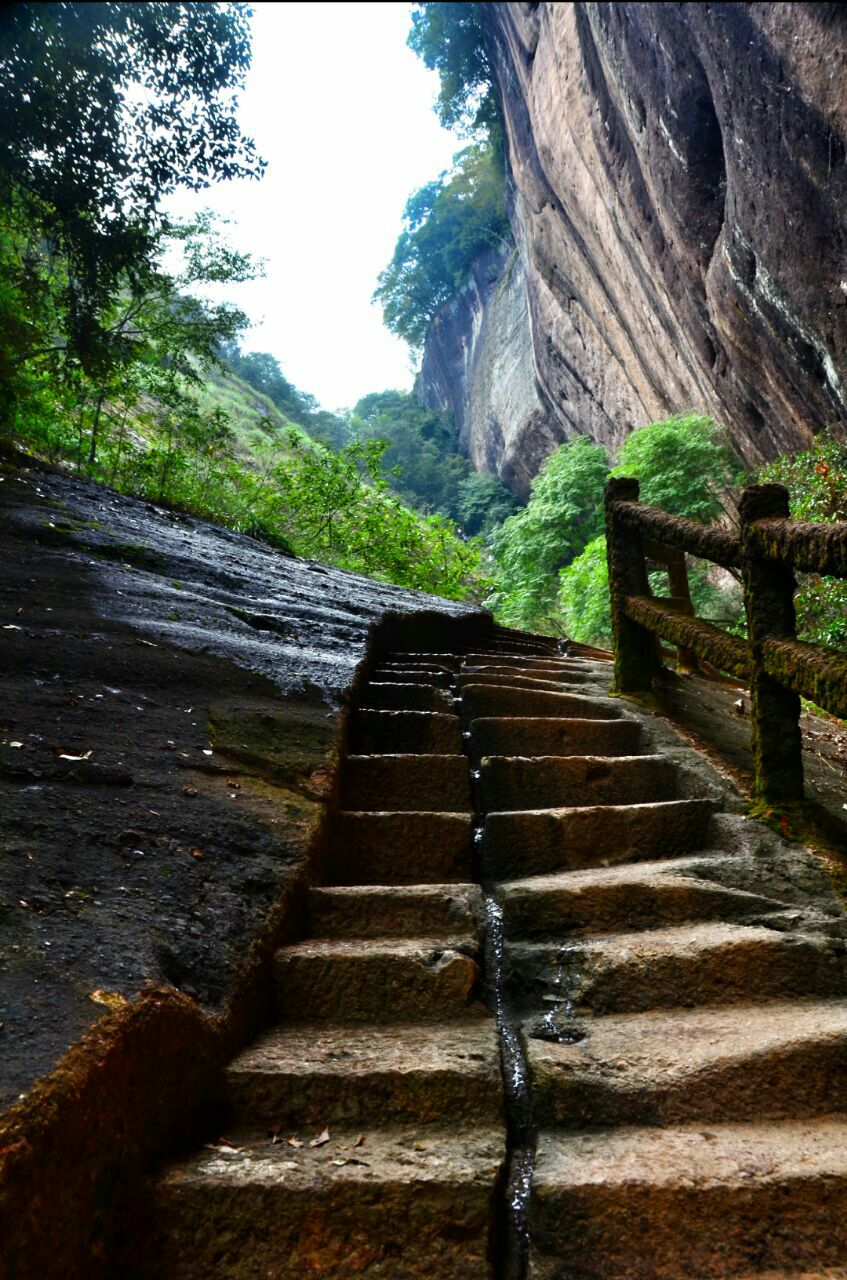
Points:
(679, 205)
(479, 364)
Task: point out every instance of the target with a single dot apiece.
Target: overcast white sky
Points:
(342, 111)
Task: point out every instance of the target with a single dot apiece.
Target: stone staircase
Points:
(666, 991)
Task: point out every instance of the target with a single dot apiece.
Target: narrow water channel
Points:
(512, 1265)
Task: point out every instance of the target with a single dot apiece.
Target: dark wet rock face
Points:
(679, 194)
(169, 730)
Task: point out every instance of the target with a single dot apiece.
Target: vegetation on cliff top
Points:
(448, 225)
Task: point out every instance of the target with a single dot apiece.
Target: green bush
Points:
(816, 480)
(563, 514)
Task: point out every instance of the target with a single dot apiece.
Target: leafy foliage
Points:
(263, 371)
(484, 503)
(424, 465)
(684, 464)
(817, 483)
(107, 108)
(336, 507)
(551, 557)
(563, 514)
(448, 224)
(449, 38)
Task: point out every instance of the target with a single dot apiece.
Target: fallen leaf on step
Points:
(294, 1141)
(359, 1141)
(111, 999)
(321, 1139)
(85, 756)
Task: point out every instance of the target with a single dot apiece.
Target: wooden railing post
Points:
(769, 601)
(636, 660)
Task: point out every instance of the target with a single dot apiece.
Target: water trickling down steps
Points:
(590, 1043)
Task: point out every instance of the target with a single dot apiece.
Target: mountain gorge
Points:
(676, 188)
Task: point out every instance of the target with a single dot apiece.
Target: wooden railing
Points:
(777, 667)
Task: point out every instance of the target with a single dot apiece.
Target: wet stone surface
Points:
(171, 700)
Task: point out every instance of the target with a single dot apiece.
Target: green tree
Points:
(448, 224)
(109, 107)
(421, 457)
(684, 464)
(484, 503)
(816, 480)
(563, 514)
(450, 39)
(337, 508)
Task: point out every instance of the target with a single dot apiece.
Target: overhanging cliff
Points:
(679, 197)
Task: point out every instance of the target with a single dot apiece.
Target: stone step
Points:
(700, 1201)
(395, 911)
(541, 841)
(390, 696)
(483, 700)
(695, 964)
(408, 675)
(554, 676)
(506, 665)
(402, 848)
(544, 736)
(413, 732)
(519, 782)
(645, 895)
(404, 1204)
(378, 980)
(544, 682)
(413, 664)
(319, 1075)
(420, 658)
(737, 1062)
(406, 782)
(518, 660)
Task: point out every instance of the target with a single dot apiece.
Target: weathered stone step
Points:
(642, 895)
(686, 965)
(485, 672)
(540, 841)
(406, 782)
(544, 736)
(519, 782)
(483, 700)
(407, 675)
(386, 911)
(329, 1075)
(389, 696)
(658, 1204)
(738, 1062)
(403, 848)
(405, 1204)
(441, 661)
(377, 980)
(413, 732)
(542, 683)
(484, 660)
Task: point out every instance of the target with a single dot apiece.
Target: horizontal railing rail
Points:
(779, 668)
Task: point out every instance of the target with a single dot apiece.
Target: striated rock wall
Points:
(479, 363)
(680, 205)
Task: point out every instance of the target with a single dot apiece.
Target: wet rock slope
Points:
(664, 984)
